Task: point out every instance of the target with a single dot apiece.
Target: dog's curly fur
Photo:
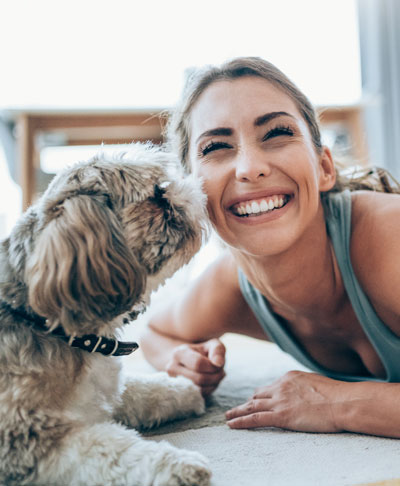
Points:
(101, 238)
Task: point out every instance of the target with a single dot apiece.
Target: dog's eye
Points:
(108, 200)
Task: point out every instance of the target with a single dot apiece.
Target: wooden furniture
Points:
(92, 127)
(76, 127)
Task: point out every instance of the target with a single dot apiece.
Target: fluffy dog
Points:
(78, 265)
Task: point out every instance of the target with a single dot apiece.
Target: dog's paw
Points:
(186, 468)
(150, 400)
(191, 402)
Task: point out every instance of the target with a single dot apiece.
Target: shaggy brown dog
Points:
(78, 265)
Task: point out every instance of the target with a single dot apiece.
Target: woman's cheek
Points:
(211, 209)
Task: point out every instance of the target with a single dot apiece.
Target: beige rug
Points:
(274, 457)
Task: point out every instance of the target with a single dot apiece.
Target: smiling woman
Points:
(242, 128)
(308, 263)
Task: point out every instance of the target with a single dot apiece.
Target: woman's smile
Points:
(255, 206)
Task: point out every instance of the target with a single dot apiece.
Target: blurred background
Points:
(78, 73)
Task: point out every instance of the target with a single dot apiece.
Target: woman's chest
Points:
(337, 341)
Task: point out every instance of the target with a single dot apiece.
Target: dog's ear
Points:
(81, 273)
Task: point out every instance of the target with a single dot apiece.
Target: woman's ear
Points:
(327, 176)
(82, 273)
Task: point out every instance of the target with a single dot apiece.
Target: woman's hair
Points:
(178, 127)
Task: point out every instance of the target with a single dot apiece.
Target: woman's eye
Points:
(212, 146)
(277, 132)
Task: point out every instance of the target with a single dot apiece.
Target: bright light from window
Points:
(127, 53)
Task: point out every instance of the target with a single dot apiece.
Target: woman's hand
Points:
(298, 401)
(203, 363)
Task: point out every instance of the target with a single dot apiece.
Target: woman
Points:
(309, 265)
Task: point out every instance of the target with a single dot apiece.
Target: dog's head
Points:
(108, 232)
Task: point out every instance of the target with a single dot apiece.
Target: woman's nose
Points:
(251, 165)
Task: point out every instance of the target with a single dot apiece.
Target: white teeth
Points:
(254, 207)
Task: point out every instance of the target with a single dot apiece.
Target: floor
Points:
(273, 457)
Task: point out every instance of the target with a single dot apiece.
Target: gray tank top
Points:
(337, 207)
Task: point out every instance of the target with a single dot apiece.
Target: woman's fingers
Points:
(215, 350)
(250, 407)
(257, 419)
(202, 379)
(207, 382)
(254, 413)
(188, 361)
(203, 363)
(194, 359)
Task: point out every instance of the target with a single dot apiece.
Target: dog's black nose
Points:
(158, 192)
(160, 199)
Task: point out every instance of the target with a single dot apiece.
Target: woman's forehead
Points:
(225, 102)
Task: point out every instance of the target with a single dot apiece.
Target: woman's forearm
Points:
(367, 407)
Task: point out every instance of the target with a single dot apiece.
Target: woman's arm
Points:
(309, 402)
(183, 338)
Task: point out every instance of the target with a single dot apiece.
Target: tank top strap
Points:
(338, 209)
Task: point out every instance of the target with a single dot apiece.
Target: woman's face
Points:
(260, 169)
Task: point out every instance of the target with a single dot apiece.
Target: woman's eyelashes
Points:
(212, 146)
(278, 131)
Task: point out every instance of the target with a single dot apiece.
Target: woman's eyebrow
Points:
(259, 121)
(216, 132)
(263, 119)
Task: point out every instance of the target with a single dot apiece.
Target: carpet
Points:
(273, 457)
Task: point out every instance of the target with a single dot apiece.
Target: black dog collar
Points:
(88, 342)
(97, 344)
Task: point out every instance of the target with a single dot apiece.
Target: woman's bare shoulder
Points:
(375, 249)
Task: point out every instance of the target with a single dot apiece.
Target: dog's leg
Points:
(109, 454)
(155, 398)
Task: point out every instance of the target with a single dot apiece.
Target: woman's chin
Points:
(260, 246)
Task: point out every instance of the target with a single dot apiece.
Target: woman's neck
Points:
(303, 280)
